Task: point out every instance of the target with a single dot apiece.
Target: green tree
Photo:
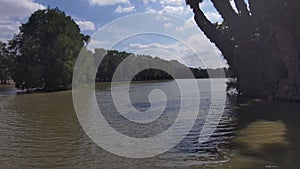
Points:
(46, 50)
(6, 63)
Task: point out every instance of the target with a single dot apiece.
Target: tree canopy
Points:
(46, 50)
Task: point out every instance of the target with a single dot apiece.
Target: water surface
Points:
(42, 131)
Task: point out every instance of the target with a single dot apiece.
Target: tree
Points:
(261, 44)
(6, 63)
(46, 50)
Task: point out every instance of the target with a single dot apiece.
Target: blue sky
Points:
(105, 20)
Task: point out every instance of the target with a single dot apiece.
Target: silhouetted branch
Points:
(225, 10)
(242, 7)
(221, 38)
(204, 24)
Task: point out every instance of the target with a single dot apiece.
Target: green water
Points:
(42, 131)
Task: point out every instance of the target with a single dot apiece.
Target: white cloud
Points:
(151, 10)
(86, 25)
(172, 2)
(173, 10)
(8, 28)
(174, 48)
(207, 55)
(210, 12)
(213, 16)
(208, 52)
(167, 52)
(128, 9)
(97, 44)
(162, 18)
(168, 25)
(12, 12)
(147, 1)
(18, 8)
(179, 10)
(139, 46)
(172, 7)
(190, 23)
(175, 7)
(108, 2)
(9, 25)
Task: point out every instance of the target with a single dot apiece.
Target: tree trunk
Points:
(261, 45)
(288, 87)
(270, 70)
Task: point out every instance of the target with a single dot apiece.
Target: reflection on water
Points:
(260, 134)
(42, 131)
(268, 131)
(6, 90)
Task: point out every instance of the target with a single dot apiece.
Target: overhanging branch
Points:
(221, 39)
(242, 7)
(204, 24)
(225, 10)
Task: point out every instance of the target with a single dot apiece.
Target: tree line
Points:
(113, 59)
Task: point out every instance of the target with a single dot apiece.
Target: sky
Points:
(163, 28)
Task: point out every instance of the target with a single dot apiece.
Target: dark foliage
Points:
(6, 64)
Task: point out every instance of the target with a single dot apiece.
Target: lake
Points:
(42, 131)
